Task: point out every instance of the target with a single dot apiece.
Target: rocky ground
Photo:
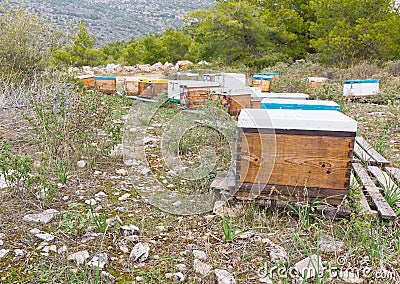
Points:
(103, 226)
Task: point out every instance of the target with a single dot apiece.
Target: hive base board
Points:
(285, 193)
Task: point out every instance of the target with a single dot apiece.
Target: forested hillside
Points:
(112, 20)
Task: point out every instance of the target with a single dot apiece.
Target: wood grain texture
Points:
(395, 173)
(295, 160)
(106, 86)
(379, 160)
(384, 209)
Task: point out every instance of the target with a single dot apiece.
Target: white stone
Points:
(121, 172)
(201, 268)
(19, 252)
(309, 267)
(44, 217)
(62, 250)
(47, 249)
(224, 277)
(265, 279)
(145, 171)
(107, 276)
(101, 194)
(100, 260)
(3, 253)
(175, 277)
(330, 245)
(161, 228)
(45, 237)
(1, 242)
(80, 257)
(81, 164)
(140, 252)
(181, 267)
(199, 254)
(124, 197)
(91, 202)
(2, 236)
(277, 253)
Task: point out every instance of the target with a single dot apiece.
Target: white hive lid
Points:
(321, 120)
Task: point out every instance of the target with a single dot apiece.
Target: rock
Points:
(199, 254)
(3, 253)
(108, 277)
(175, 277)
(45, 237)
(80, 257)
(183, 64)
(2, 236)
(1, 242)
(145, 171)
(91, 202)
(203, 62)
(156, 67)
(222, 208)
(44, 217)
(246, 235)
(62, 250)
(265, 279)
(19, 253)
(309, 267)
(224, 277)
(35, 231)
(47, 249)
(124, 197)
(121, 172)
(99, 261)
(349, 277)
(139, 279)
(277, 253)
(140, 252)
(181, 267)
(81, 164)
(144, 68)
(124, 249)
(132, 239)
(101, 194)
(201, 268)
(90, 236)
(330, 245)
(161, 228)
(129, 230)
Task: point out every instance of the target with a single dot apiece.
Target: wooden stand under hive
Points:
(106, 85)
(294, 154)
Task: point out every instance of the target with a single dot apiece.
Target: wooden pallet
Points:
(368, 155)
(373, 181)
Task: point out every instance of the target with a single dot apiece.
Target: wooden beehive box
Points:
(106, 85)
(151, 88)
(272, 103)
(360, 88)
(237, 101)
(87, 81)
(294, 154)
(131, 86)
(194, 97)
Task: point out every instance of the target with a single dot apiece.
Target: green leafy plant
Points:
(61, 167)
(229, 231)
(15, 169)
(99, 220)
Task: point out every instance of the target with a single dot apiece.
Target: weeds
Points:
(99, 220)
(61, 168)
(16, 169)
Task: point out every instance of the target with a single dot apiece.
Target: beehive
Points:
(315, 82)
(150, 88)
(257, 96)
(87, 81)
(360, 88)
(106, 85)
(131, 86)
(194, 97)
(294, 154)
(273, 103)
(237, 101)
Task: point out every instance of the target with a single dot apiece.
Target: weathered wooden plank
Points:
(383, 179)
(384, 210)
(363, 155)
(372, 152)
(395, 173)
(295, 160)
(363, 200)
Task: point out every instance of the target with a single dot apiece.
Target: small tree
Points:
(26, 41)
